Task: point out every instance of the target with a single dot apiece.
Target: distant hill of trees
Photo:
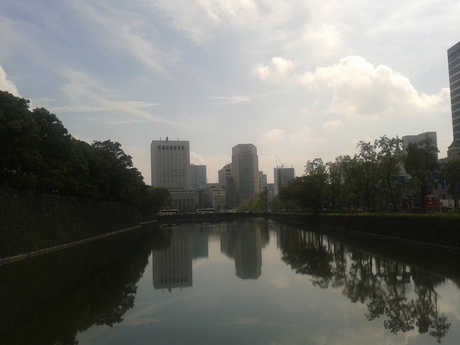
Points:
(37, 153)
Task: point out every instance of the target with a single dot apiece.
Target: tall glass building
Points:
(453, 58)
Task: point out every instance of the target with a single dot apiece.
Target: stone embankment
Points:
(437, 231)
(30, 222)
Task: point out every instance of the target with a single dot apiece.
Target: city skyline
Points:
(299, 80)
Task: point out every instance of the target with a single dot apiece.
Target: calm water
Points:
(249, 282)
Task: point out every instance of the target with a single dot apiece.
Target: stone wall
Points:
(430, 230)
(31, 221)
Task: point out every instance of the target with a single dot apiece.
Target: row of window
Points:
(171, 147)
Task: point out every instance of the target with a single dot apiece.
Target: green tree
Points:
(367, 160)
(315, 184)
(55, 149)
(390, 157)
(420, 163)
(20, 160)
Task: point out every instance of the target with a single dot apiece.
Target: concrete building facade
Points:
(170, 169)
(170, 164)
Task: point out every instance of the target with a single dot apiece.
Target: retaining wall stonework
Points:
(30, 221)
(437, 231)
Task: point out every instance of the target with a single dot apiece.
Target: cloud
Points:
(86, 94)
(6, 84)
(242, 321)
(278, 70)
(360, 89)
(122, 29)
(275, 134)
(232, 99)
(197, 159)
(332, 126)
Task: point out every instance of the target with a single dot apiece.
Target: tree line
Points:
(38, 154)
(371, 180)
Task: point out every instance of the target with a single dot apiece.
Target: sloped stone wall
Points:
(31, 221)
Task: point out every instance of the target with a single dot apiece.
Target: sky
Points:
(299, 79)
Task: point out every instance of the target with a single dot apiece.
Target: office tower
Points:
(415, 139)
(226, 179)
(453, 58)
(198, 173)
(245, 171)
(170, 164)
(262, 181)
(282, 176)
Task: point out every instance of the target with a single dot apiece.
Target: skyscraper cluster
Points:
(239, 181)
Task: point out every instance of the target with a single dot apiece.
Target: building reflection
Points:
(244, 245)
(172, 266)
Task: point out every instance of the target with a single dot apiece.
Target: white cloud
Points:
(275, 134)
(332, 126)
(279, 70)
(6, 84)
(232, 99)
(197, 159)
(360, 89)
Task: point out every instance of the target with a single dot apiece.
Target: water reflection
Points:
(245, 247)
(238, 263)
(405, 296)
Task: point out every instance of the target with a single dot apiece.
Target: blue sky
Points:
(299, 79)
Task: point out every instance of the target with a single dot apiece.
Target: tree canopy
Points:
(37, 153)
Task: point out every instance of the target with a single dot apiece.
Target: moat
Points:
(252, 281)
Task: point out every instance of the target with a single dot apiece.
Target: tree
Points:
(55, 149)
(420, 163)
(315, 184)
(367, 159)
(451, 173)
(20, 159)
(390, 158)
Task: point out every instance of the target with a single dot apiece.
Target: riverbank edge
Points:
(434, 231)
(33, 222)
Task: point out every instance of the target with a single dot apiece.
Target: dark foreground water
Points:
(249, 282)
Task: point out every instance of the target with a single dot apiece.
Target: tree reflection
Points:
(101, 299)
(384, 286)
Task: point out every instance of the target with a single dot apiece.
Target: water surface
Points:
(249, 282)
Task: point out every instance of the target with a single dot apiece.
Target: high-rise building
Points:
(453, 58)
(262, 181)
(198, 173)
(415, 139)
(170, 163)
(282, 176)
(226, 179)
(245, 171)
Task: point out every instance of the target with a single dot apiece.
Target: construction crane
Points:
(281, 164)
